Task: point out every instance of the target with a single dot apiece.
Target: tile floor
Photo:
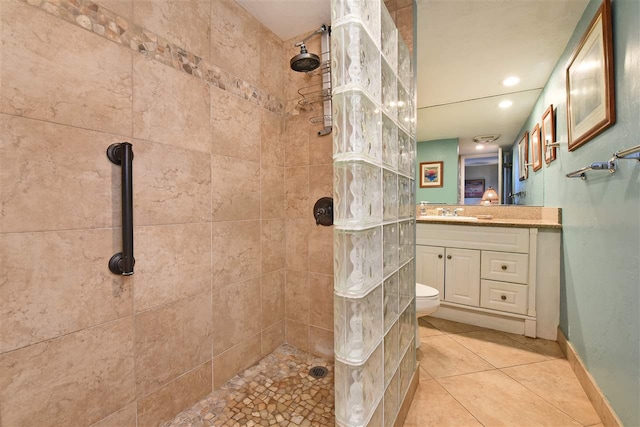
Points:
(276, 392)
(471, 376)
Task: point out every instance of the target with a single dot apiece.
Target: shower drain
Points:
(318, 372)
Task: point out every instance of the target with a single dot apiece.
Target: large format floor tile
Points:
(495, 399)
(556, 383)
(433, 406)
(443, 357)
(451, 327)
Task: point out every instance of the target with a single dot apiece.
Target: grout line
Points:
(459, 403)
(113, 228)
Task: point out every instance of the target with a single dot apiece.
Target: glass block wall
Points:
(374, 152)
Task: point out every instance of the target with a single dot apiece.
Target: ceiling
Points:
(466, 48)
(289, 18)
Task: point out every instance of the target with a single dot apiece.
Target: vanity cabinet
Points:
(490, 276)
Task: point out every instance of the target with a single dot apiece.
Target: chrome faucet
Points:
(456, 210)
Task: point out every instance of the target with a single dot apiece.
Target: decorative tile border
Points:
(598, 400)
(103, 22)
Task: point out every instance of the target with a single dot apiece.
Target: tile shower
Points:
(224, 249)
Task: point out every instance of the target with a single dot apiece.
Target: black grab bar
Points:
(123, 262)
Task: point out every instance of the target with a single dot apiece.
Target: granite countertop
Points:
(496, 222)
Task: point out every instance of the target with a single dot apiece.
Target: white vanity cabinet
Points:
(503, 278)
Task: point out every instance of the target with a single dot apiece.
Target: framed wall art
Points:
(590, 81)
(473, 188)
(536, 148)
(523, 157)
(431, 174)
(548, 135)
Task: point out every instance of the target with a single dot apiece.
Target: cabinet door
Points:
(462, 272)
(430, 267)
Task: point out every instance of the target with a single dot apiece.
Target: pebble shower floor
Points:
(278, 391)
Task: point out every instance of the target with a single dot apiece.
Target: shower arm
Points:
(320, 30)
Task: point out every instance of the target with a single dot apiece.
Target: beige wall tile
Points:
(273, 245)
(272, 191)
(297, 235)
(170, 184)
(433, 406)
(404, 23)
(484, 395)
(272, 337)
(86, 83)
(57, 282)
(320, 248)
(296, 192)
(297, 296)
(589, 386)
(404, 3)
(443, 357)
(271, 138)
(320, 147)
(273, 288)
(235, 360)
(235, 251)
(172, 262)
(297, 334)
(235, 125)
(90, 373)
(271, 71)
(170, 106)
(321, 300)
(184, 23)
(556, 383)
(296, 140)
(320, 182)
(125, 417)
(40, 187)
(235, 40)
(178, 395)
(236, 313)
(539, 345)
(171, 340)
(123, 8)
(321, 342)
(391, 5)
(236, 190)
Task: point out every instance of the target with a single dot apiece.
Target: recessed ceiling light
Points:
(511, 81)
(505, 104)
(479, 147)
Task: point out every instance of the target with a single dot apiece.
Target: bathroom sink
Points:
(448, 218)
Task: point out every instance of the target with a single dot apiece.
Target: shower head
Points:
(304, 61)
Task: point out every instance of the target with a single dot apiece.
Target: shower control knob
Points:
(323, 211)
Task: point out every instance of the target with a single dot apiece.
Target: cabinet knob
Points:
(448, 256)
(503, 297)
(504, 267)
(440, 256)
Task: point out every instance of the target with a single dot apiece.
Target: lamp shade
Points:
(490, 196)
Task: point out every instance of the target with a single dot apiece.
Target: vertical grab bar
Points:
(122, 154)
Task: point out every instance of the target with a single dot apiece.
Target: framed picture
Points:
(473, 188)
(590, 85)
(548, 135)
(431, 174)
(523, 157)
(536, 148)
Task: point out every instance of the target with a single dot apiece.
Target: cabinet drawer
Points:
(506, 267)
(503, 296)
(473, 237)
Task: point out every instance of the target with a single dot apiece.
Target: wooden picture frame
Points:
(473, 188)
(536, 148)
(548, 135)
(523, 157)
(431, 174)
(590, 81)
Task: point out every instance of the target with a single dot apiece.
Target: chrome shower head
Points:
(304, 61)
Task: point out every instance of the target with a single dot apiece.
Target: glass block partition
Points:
(374, 216)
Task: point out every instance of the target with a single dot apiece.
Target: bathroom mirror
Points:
(481, 66)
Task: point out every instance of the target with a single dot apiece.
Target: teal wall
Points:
(445, 150)
(600, 284)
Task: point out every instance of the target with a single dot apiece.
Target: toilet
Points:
(427, 300)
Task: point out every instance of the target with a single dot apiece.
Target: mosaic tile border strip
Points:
(103, 22)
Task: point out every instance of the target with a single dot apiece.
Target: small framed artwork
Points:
(523, 157)
(536, 148)
(548, 135)
(431, 174)
(590, 81)
(473, 188)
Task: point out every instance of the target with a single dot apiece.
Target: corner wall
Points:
(600, 291)
(193, 86)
